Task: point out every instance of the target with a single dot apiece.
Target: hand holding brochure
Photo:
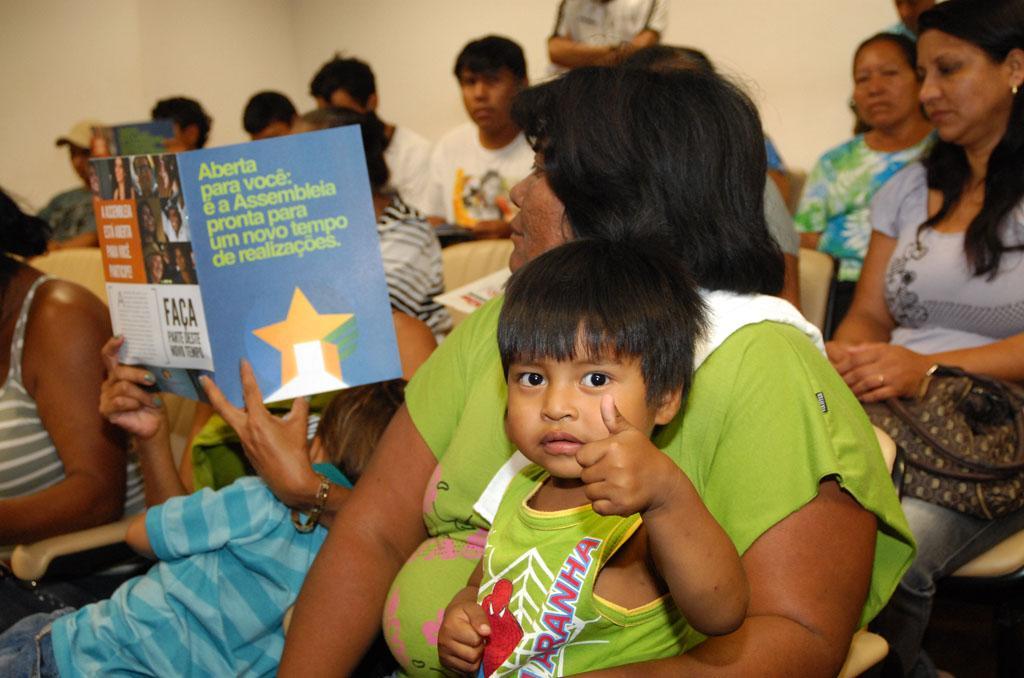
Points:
(266, 251)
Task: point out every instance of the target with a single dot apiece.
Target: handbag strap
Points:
(984, 471)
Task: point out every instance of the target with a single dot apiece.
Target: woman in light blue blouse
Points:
(943, 281)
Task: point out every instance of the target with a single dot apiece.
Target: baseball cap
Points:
(80, 134)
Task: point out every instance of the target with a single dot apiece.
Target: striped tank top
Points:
(28, 459)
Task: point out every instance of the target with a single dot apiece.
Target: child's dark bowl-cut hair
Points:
(624, 299)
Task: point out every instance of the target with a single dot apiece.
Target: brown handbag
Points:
(963, 441)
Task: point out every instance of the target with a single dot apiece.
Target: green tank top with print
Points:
(539, 570)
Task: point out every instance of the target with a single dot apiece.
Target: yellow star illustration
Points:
(303, 324)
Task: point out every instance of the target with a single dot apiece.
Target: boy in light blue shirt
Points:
(231, 562)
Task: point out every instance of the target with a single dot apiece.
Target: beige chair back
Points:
(816, 270)
(468, 261)
(866, 648)
(1004, 558)
(888, 446)
(82, 265)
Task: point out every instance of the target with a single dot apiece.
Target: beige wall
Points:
(64, 60)
(111, 59)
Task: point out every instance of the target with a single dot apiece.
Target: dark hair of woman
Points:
(374, 138)
(20, 234)
(995, 27)
(675, 155)
(674, 56)
(906, 45)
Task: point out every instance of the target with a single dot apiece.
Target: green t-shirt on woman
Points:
(766, 420)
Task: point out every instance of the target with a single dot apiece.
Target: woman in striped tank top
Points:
(62, 467)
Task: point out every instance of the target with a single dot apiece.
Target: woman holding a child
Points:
(772, 440)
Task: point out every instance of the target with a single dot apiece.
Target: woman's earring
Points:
(1013, 90)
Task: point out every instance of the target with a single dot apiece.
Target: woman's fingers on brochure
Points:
(276, 447)
(251, 394)
(109, 352)
(124, 396)
(128, 406)
(221, 405)
(298, 415)
(131, 374)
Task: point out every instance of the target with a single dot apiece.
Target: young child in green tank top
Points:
(601, 552)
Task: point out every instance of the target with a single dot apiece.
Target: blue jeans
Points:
(56, 592)
(26, 649)
(946, 540)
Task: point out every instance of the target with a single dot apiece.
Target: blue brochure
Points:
(274, 258)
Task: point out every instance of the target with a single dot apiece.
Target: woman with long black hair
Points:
(943, 280)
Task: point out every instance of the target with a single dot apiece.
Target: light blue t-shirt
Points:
(231, 563)
(773, 158)
(900, 28)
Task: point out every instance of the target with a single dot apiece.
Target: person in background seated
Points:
(780, 223)
(267, 115)
(909, 11)
(474, 165)
(69, 214)
(597, 343)
(191, 123)
(230, 563)
(834, 214)
(350, 83)
(943, 280)
(603, 32)
(62, 467)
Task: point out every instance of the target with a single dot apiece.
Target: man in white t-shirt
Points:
(474, 165)
(601, 32)
(350, 83)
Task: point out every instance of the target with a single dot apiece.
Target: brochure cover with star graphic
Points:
(285, 265)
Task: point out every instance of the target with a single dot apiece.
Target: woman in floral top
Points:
(834, 211)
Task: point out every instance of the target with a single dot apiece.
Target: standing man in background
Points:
(474, 166)
(601, 32)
